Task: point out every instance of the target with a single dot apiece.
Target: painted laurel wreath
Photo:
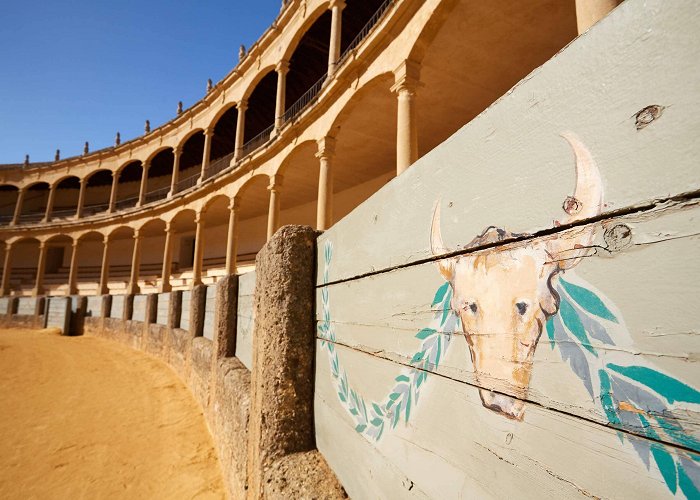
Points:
(637, 399)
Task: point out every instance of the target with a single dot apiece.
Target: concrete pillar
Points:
(49, 204)
(135, 264)
(40, 268)
(113, 193)
(73, 273)
(18, 206)
(176, 172)
(232, 240)
(198, 250)
(273, 212)
(589, 12)
(324, 207)
(407, 82)
(336, 7)
(167, 259)
(104, 271)
(81, 199)
(240, 128)
(208, 134)
(6, 270)
(282, 70)
(144, 183)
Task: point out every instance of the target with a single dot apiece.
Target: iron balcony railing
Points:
(218, 165)
(259, 140)
(63, 214)
(188, 182)
(32, 217)
(6, 219)
(157, 194)
(126, 203)
(95, 209)
(309, 97)
(376, 17)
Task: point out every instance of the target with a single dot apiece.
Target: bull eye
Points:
(522, 308)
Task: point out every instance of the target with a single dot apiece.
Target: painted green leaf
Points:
(342, 398)
(670, 388)
(360, 428)
(606, 398)
(666, 465)
(687, 485)
(425, 333)
(588, 300)
(550, 331)
(353, 411)
(417, 357)
(394, 396)
(676, 432)
(402, 378)
(573, 323)
(376, 422)
(377, 409)
(408, 406)
(440, 294)
(395, 420)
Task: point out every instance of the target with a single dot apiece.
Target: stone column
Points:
(144, 183)
(135, 264)
(104, 271)
(18, 206)
(589, 12)
(49, 204)
(273, 212)
(282, 70)
(208, 134)
(336, 7)
(167, 259)
(40, 267)
(113, 193)
(240, 128)
(198, 249)
(407, 82)
(232, 240)
(6, 270)
(73, 273)
(324, 207)
(81, 199)
(176, 172)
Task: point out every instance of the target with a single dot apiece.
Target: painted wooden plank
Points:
(117, 310)
(246, 319)
(58, 313)
(511, 169)
(210, 312)
(26, 306)
(163, 309)
(94, 306)
(453, 448)
(650, 287)
(185, 310)
(139, 311)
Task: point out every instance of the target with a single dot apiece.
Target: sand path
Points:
(82, 417)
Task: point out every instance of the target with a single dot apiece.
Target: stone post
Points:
(226, 316)
(273, 212)
(176, 172)
(175, 309)
(128, 311)
(41, 265)
(324, 207)
(282, 70)
(240, 129)
(208, 134)
(282, 375)
(135, 264)
(18, 206)
(167, 259)
(198, 302)
(336, 7)
(106, 306)
(73, 273)
(589, 12)
(198, 250)
(6, 270)
(113, 192)
(49, 203)
(144, 183)
(151, 309)
(104, 270)
(232, 239)
(77, 317)
(81, 199)
(407, 82)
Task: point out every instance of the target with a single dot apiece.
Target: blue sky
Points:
(81, 70)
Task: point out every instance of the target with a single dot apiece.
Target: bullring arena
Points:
(232, 244)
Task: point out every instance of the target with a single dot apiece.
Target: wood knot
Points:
(572, 206)
(618, 237)
(647, 115)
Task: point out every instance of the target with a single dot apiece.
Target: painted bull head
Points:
(504, 296)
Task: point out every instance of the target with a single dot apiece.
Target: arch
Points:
(311, 18)
(215, 218)
(188, 136)
(98, 187)
(252, 85)
(90, 251)
(160, 172)
(128, 184)
(24, 258)
(90, 234)
(260, 114)
(222, 110)
(152, 226)
(191, 153)
(300, 171)
(121, 249)
(121, 231)
(8, 196)
(66, 196)
(252, 207)
(223, 142)
(35, 200)
(214, 200)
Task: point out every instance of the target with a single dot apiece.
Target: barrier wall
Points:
(485, 330)
(163, 309)
(117, 310)
(185, 310)
(245, 318)
(209, 310)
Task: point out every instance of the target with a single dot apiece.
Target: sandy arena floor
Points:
(82, 417)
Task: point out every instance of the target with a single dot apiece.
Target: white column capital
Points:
(234, 203)
(326, 148)
(407, 77)
(275, 182)
(282, 67)
(242, 105)
(208, 132)
(340, 4)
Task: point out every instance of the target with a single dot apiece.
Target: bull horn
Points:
(437, 247)
(587, 202)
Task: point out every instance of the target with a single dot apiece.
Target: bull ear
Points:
(437, 247)
(586, 202)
